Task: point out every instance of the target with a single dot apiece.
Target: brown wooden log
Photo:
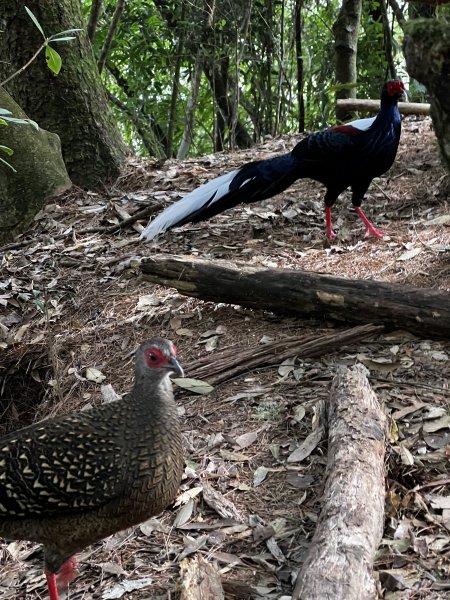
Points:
(373, 106)
(425, 312)
(350, 527)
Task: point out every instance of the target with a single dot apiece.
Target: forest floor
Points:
(72, 297)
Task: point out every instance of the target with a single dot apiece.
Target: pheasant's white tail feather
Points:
(190, 205)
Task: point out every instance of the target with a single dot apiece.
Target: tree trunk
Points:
(191, 105)
(387, 35)
(219, 88)
(427, 52)
(40, 172)
(94, 16)
(179, 49)
(152, 136)
(346, 29)
(280, 75)
(340, 560)
(72, 104)
(110, 35)
(299, 62)
(422, 311)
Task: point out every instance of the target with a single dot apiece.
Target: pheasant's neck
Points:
(152, 395)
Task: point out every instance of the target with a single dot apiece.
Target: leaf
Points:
(287, 366)
(299, 413)
(35, 21)
(184, 514)
(68, 31)
(193, 385)
(307, 446)
(442, 423)
(118, 590)
(64, 39)
(2, 160)
(4, 111)
(259, 475)
(7, 150)
(54, 61)
(93, 374)
(148, 300)
(184, 331)
(410, 254)
(246, 439)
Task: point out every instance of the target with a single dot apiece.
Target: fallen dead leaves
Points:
(73, 308)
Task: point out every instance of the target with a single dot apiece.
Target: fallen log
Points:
(340, 559)
(425, 312)
(373, 106)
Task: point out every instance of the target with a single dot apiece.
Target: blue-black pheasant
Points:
(73, 480)
(339, 157)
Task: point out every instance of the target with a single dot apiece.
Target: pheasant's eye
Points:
(152, 356)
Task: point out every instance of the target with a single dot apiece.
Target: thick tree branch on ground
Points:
(373, 106)
(340, 560)
(227, 364)
(425, 312)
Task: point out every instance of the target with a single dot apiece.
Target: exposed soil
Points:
(72, 297)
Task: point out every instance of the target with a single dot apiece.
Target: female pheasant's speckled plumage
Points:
(73, 480)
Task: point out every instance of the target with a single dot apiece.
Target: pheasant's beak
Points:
(176, 367)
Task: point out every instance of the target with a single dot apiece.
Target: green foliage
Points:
(54, 63)
(256, 64)
(52, 57)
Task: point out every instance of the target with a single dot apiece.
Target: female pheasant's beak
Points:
(175, 366)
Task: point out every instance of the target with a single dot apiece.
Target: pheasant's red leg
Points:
(370, 228)
(67, 571)
(51, 585)
(330, 232)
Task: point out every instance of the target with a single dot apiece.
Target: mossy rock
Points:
(39, 174)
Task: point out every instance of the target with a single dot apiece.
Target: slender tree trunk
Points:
(111, 33)
(152, 135)
(190, 108)
(176, 84)
(280, 77)
(298, 23)
(398, 13)
(269, 53)
(346, 31)
(218, 83)
(387, 34)
(241, 43)
(94, 16)
(72, 104)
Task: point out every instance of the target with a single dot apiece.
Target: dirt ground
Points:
(72, 299)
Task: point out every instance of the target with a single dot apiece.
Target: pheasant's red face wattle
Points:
(395, 87)
(155, 358)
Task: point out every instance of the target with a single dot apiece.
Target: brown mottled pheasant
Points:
(73, 480)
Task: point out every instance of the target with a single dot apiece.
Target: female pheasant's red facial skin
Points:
(155, 358)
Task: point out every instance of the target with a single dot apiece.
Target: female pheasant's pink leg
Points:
(51, 585)
(330, 232)
(61, 580)
(370, 228)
